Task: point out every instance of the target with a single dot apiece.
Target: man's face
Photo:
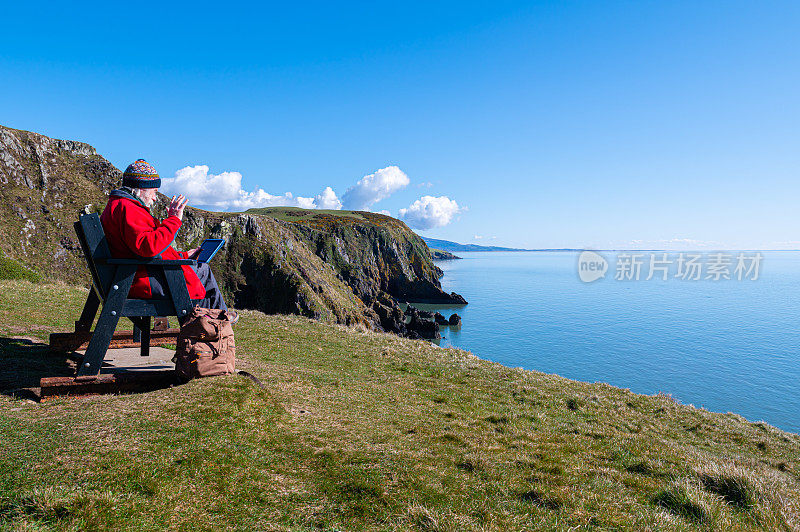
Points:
(148, 196)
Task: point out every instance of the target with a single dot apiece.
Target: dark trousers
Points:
(213, 299)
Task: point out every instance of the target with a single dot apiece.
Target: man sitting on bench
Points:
(132, 232)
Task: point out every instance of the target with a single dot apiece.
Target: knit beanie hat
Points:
(141, 175)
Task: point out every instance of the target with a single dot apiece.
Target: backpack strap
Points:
(252, 377)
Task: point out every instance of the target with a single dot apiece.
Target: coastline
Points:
(561, 334)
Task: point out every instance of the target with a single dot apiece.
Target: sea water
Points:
(726, 345)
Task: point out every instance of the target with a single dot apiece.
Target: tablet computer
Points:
(209, 248)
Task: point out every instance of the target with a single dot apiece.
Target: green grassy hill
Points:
(296, 214)
(359, 430)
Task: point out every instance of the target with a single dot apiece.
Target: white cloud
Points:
(328, 200)
(429, 212)
(374, 187)
(224, 191)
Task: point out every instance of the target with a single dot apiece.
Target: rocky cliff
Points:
(338, 266)
(43, 184)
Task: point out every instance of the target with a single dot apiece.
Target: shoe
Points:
(233, 316)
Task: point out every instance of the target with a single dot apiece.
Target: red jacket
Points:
(132, 232)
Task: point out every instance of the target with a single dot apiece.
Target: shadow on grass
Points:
(25, 362)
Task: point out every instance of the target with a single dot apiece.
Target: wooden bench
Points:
(111, 282)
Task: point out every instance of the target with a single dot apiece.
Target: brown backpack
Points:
(205, 345)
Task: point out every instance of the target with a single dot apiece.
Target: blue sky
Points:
(549, 124)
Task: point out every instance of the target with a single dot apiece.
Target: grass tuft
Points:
(451, 438)
(736, 490)
(640, 468)
(471, 464)
(427, 520)
(676, 500)
(497, 420)
(11, 269)
(537, 499)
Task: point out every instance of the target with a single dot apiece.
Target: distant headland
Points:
(447, 245)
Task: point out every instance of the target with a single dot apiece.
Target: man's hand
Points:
(176, 206)
(192, 253)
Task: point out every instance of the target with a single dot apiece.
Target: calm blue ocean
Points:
(727, 346)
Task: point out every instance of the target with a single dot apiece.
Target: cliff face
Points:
(338, 266)
(374, 253)
(265, 266)
(43, 184)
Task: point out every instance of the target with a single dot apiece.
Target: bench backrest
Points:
(93, 243)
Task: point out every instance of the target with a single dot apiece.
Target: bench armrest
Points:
(148, 262)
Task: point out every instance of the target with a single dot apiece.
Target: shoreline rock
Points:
(439, 254)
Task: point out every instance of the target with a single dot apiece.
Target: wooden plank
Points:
(134, 381)
(148, 307)
(79, 340)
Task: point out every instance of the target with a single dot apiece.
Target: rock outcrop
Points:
(338, 266)
(438, 254)
(43, 184)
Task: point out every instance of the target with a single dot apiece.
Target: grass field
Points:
(11, 269)
(365, 431)
(294, 214)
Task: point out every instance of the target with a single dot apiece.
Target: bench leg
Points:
(89, 312)
(101, 338)
(107, 323)
(145, 337)
(141, 333)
